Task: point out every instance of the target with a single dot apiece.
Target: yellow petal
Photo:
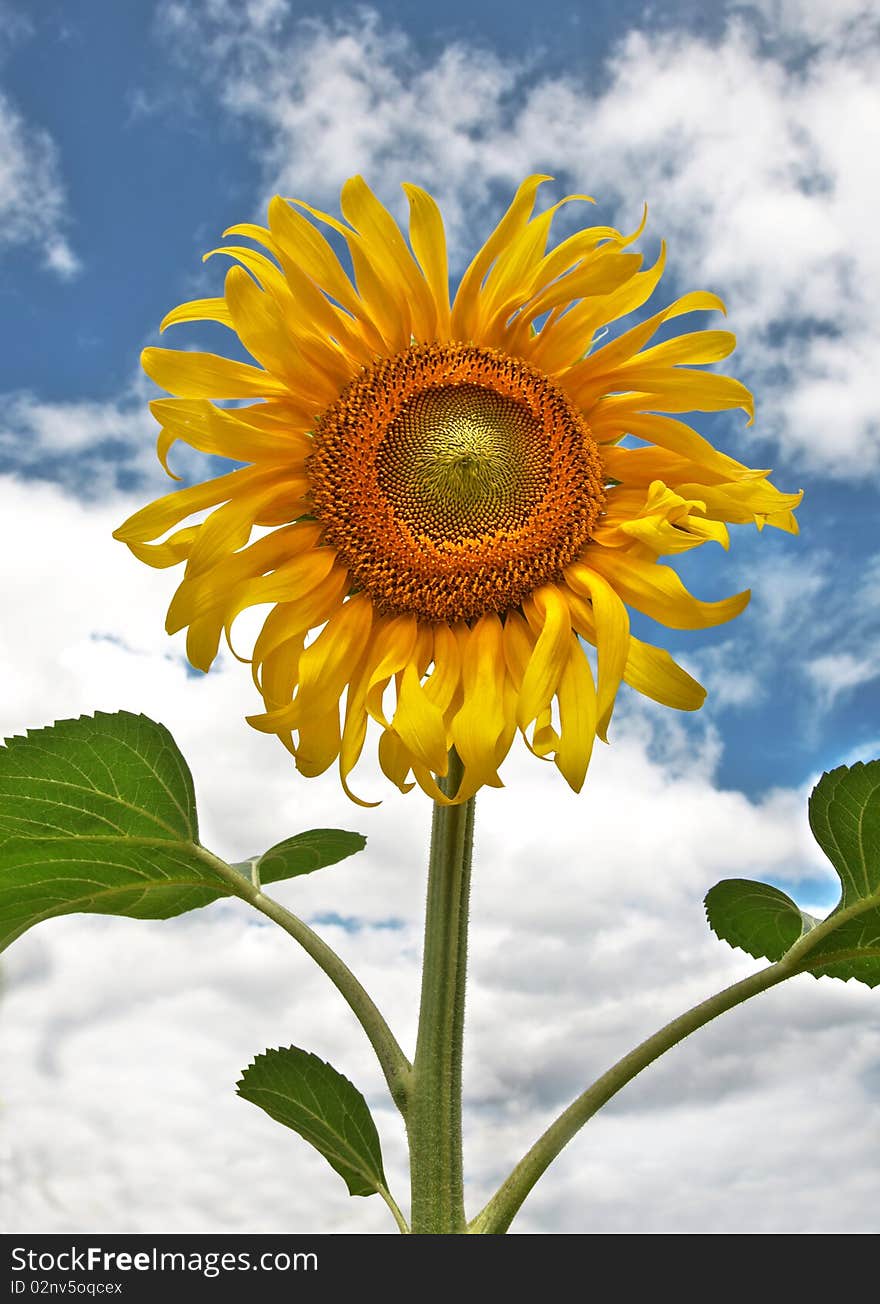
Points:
(261, 328)
(625, 346)
(328, 663)
(354, 732)
(747, 500)
(306, 604)
(230, 526)
(512, 279)
(419, 725)
(290, 582)
(634, 467)
(577, 717)
(157, 517)
(314, 314)
(662, 521)
(426, 781)
(205, 375)
(318, 744)
(615, 416)
(375, 670)
(611, 622)
(545, 739)
(174, 550)
(665, 538)
(225, 433)
(265, 271)
(658, 592)
(198, 310)
(206, 590)
(782, 520)
(547, 611)
(564, 338)
(578, 249)
(428, 240)
(212, 609)
(276, 673)
(479, 724)
(388, 314)
(395, 760)
(678, 391)
(301, 242)
(252, 231)
(692, 348)
(630, 296)
(442, 687)
(519, 643)
(395, 645)
(386, 249)
(288, 342)
(605, 271)
(465, 308)
(652, 672)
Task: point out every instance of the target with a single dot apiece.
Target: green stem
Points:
(402, 1224)
(395, 1065)
(498, 1214)
(434, 1113)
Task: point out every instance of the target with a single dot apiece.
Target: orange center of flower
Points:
(454, 480)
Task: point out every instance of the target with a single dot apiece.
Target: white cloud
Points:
(846, 23)
(838, 672)
(754, 165)
(801, 617)
(91, 446)
(60, 258)
(33, 204)
(588, 933)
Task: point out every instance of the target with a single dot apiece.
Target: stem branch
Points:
(398, 1217)
(395, 1065)
(498, 1214)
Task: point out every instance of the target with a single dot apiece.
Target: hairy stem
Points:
(434, 1114)
(395, 1065)
(402, 1224)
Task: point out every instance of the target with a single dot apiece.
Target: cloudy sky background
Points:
(130, 137)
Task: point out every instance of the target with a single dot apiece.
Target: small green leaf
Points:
(98, 815)
(309, 1096)
(303, 854)
(755, 917)
(845, 819)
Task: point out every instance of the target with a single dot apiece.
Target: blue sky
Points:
(133, 134)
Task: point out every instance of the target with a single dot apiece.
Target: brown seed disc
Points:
(454, 480)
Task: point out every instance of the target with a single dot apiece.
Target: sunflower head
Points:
(433, 500)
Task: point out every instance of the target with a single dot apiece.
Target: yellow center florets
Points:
(459, 457)
(454, 480)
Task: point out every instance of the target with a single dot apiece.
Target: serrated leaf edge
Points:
(379, 1187)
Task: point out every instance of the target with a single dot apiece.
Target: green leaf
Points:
(309, 1096)
(98, 814)
(303, 854)
(755, 917)
(845, 819)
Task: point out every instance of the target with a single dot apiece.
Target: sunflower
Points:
(444, 510)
